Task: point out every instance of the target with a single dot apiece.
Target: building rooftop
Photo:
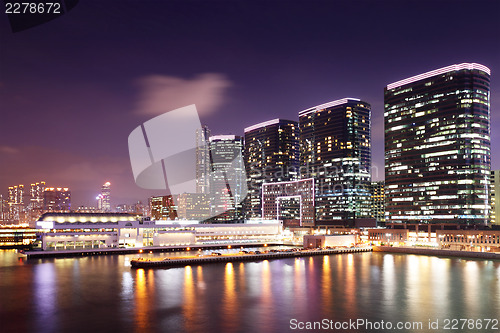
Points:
(452, 68)
(328, 105)
(87, 217)
(266, 123)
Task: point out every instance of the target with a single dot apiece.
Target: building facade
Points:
(437, 147)
(15, 204)
(203, 167)
(104, 199)
(494, 195)
(335, 150)
(271, 155)
(80, 231)
(56, 199)
(163, 208)
(291, 202)
(378, 201)
(228, 178)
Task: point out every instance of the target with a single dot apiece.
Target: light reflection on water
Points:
(102, 293)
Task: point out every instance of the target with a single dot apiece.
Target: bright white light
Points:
(457, 67)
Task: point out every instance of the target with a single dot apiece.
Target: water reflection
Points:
(299, 287)
(350, 287)
(326, 294)
(45, 297)
(189, 304)
(472, 288)
(229, 302)
(241, 297)
(144, 299)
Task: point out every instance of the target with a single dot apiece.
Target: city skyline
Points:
(242, 64)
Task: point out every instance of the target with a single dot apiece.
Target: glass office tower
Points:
(228, 178)
(271, 155)
(437, 146)
(335, 150)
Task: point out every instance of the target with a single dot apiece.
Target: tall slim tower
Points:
(105, 198)
(36, 199)
(203, 160)
(437, 146)
(271, 155)
(335, 150)
(16, 203)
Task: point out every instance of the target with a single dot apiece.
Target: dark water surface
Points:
(104, 294)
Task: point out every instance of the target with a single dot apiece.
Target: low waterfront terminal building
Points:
(78, 231)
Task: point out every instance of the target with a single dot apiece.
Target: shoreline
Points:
(438, 252)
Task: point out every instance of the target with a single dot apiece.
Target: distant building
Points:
(495, 197)
(15, 204)
(163, 208)
(271, 155)
(36, 200)
(203, 166)
(4, 210)
(104, 199)
(335, 150)
(437, 147)
(378, 201)
(56, 199)
(193, 206)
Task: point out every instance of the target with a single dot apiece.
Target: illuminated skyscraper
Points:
(103, 199)
(437, 146)
(271, 155)
(335, 150)
(203, 160)
(226, 153)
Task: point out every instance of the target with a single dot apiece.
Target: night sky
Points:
(72, 90)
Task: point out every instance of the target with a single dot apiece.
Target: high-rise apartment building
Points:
(56, 199)
(36, 200)
(4, 210)
(16, 203)
(203, 168)
(227, 181)
(378, 201)
(271, 155)
(437, 146)
(495, 197)
(335, 150)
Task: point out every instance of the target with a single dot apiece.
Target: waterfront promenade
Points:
(437, 252)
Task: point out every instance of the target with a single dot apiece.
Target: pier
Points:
(138, 250)
(238, 257)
